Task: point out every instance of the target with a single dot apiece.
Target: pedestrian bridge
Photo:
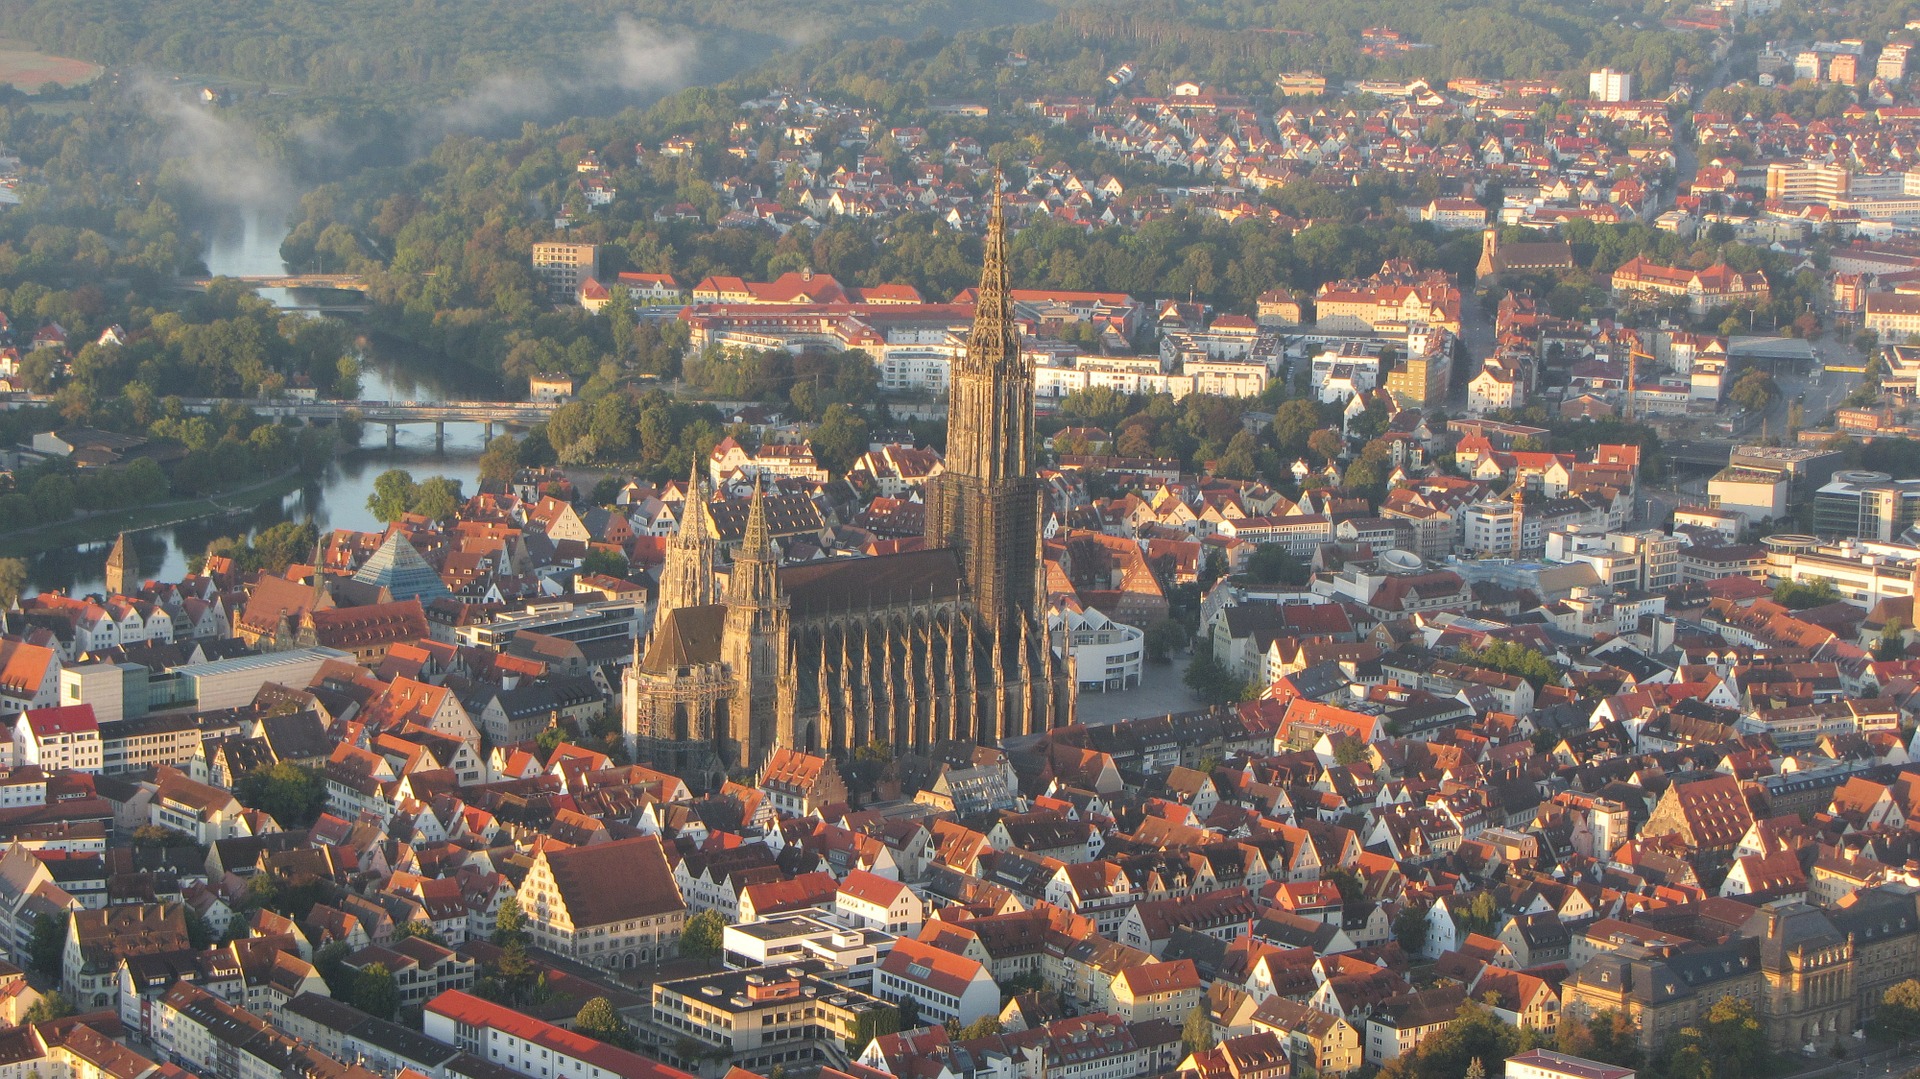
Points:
(347, 282)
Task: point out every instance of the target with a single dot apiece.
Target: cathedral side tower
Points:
(686, 578)
(755, 642)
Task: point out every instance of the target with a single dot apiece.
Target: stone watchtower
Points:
(123, 573)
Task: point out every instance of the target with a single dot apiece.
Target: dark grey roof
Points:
(536, 697)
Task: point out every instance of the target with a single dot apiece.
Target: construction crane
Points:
(1519, 496)
(1634, 356)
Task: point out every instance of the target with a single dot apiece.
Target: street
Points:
(1819, 391)
(1873, 1065)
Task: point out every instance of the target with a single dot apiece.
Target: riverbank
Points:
(103, 525)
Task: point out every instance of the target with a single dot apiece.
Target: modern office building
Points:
(1866, 505)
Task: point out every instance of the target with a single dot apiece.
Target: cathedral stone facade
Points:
(948, 642)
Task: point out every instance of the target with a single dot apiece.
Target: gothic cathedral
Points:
(911, 649)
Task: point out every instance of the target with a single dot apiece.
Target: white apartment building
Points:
(1336, 374)
(1489, 530)
(56, 738)
(1607, 84)
(1494, 388)
(1642, 561)
(874, 902)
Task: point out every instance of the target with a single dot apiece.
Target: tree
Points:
(1510, 658)
(1326, 442)
(1348, 884)
(1272, 563)
(1892, 643)
(870, 1024)
(1100, 406)
(519, 980)
(199, 933)
(48, 944)
(1478, 915)
(159, 835)
(1211, 679)
(1900, 1006)
(1609, 1037)
(1368, 475)
(392, 495)
(602, 561)
(1800, 595)
(509, 923)
(1163, 638)
(1294, 422)
(13, 579)
(1237, 461)
(606, 489)
(597, 1019)
(1754, 391)
(984, 1027)
(376, 992)
(1214, 568)
(1688, 1061)
(1410, 928)
(700, 939)
(1733, 1038)
(436, 497)
(1197, 1032)
(423, 930)
(500, 461)
(1475, 1034)
(329, 961)
(291, 794)
(49, 1007)
(840, 438)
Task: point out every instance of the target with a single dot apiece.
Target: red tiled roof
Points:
(936, 968)
(471, 1010)
(67, 719)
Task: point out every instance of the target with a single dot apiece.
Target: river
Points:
(251, 245)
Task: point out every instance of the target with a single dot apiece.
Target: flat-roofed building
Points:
(1546, 1064)
(788, 1017)
(562, 267)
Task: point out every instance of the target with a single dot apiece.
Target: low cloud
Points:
(642, 58)
(223, 161)
(639, 58)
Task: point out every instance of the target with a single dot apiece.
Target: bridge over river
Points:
(393, 414)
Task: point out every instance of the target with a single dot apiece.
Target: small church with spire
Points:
(945, 643)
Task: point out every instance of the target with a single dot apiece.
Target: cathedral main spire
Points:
(990, 433)
(986, 505)
(994, 343)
